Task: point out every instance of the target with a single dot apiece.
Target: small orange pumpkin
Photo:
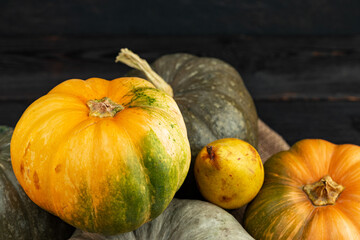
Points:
(311, 191)
(104, 156)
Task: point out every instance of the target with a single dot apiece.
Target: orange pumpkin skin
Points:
(107, 175)
(283, 210)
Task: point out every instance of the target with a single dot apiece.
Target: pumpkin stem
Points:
(323, 192)
(103, 107)
(133, 60)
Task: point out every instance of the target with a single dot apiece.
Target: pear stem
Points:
(210, 151)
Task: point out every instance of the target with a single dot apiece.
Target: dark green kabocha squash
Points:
(20, 218)
(211, 95)
(182, 220)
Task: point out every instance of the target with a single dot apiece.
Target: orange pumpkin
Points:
(311, 191)
(104, 156)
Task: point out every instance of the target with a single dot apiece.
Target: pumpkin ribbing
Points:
(21, 218)
(109, 174)
(283, 210)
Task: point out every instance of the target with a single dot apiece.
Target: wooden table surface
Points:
(303, 87)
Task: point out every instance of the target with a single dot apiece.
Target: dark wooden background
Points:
(299, 59)
(180, 17)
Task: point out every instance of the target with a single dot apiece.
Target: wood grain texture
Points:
(337, 122)
(33, 17)
(276, 68)
(302, 86)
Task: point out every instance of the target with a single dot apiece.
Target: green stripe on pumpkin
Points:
(82, 216)
(265, 220)
(125, 206)
(123, 203)
(149, 97)
(162, 172)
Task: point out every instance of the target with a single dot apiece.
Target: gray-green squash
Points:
(211, 95)
(20, 218)
(182, 220)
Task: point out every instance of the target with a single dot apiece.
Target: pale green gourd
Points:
(182, 220)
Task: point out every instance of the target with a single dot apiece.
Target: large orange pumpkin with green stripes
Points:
(104, 156)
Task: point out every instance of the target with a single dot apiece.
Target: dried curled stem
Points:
(133, 60)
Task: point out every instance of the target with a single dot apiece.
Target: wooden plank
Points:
(18, 17)
(338, 122)
(273, 68)
(11, 111)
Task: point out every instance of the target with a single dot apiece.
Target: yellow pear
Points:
(229, 172)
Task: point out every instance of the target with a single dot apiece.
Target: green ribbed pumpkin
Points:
(20, 218)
